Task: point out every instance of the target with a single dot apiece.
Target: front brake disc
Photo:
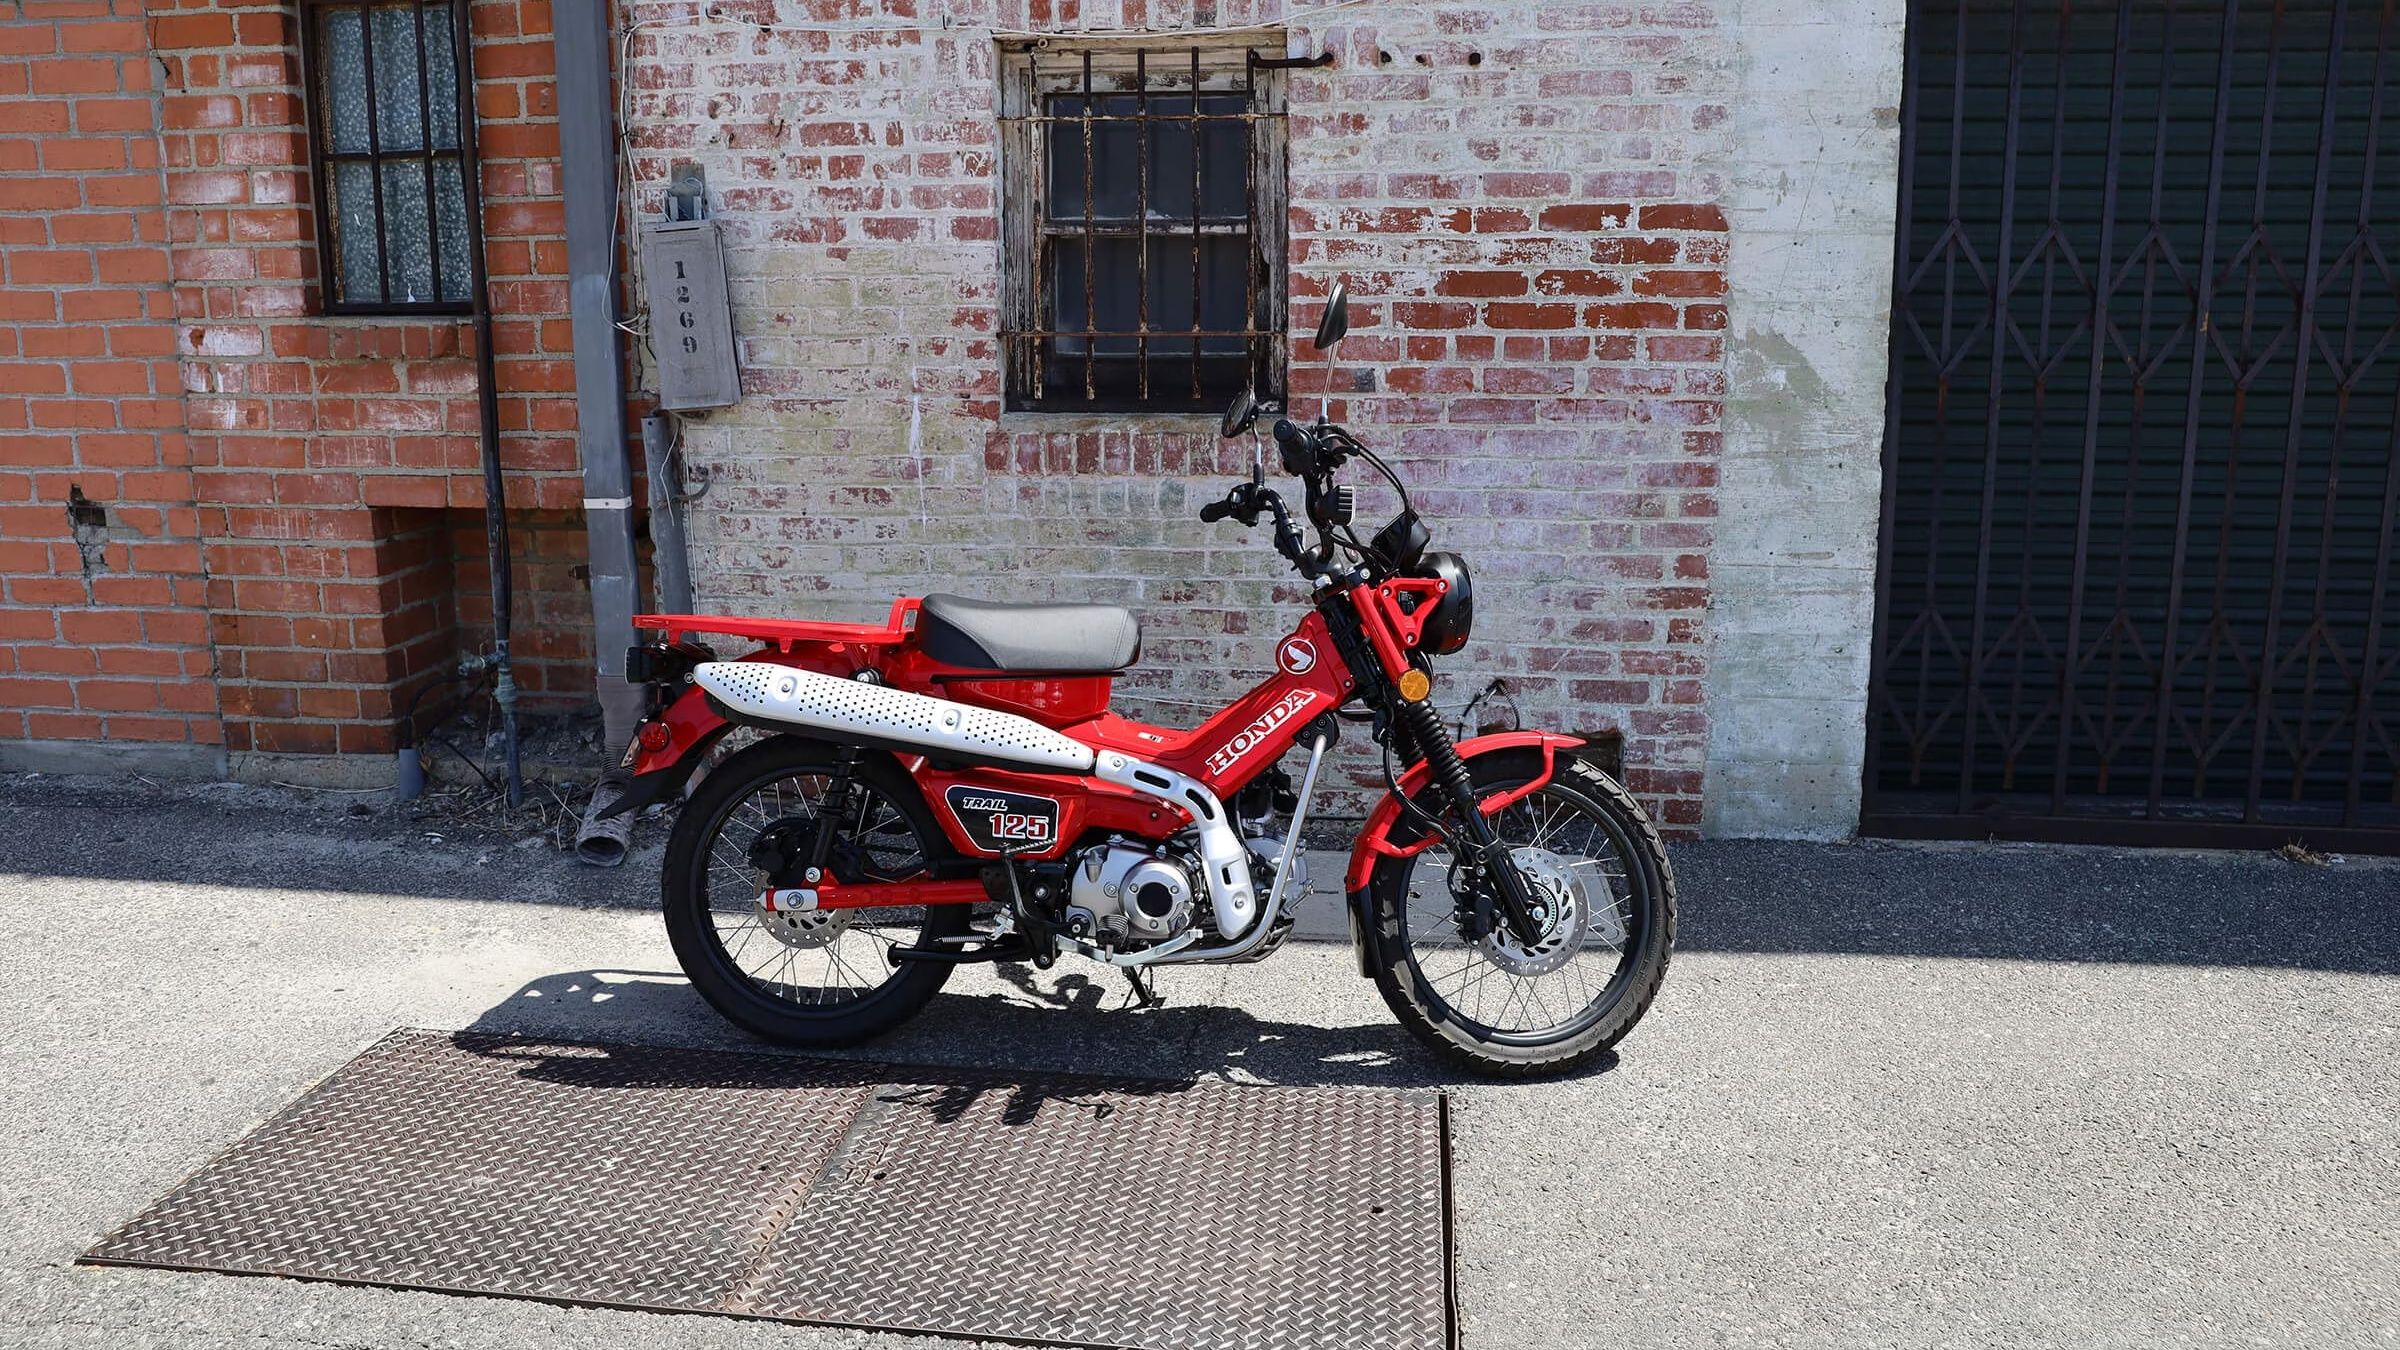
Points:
(1559, 908)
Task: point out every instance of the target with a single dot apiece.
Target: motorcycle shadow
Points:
(1017, 1024)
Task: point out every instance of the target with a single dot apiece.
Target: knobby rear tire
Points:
(1579, 1041)
(684, 888)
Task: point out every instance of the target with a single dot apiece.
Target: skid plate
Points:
(1091, 1211)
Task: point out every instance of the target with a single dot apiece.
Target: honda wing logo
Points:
(1297, 656)
(1251, 736)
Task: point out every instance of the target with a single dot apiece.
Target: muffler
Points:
(760, 691)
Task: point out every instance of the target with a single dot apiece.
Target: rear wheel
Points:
(818, 979)
(1605, 904)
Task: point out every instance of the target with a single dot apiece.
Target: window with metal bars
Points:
(394, 229)
(1144, 228)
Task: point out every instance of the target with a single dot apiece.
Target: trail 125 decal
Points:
(1004, 822)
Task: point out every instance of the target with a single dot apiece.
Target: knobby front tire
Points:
(1495, 1007)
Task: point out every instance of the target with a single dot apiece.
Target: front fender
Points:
(1539, 749)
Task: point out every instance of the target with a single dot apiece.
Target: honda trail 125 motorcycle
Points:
(951, 786)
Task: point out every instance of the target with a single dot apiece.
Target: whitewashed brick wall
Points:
(1522, 197)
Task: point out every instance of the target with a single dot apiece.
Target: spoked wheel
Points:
(806, 978)
(1604, 901)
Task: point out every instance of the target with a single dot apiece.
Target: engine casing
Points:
(1132, 893)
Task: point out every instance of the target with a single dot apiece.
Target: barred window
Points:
(393, 227)
(1143, 225)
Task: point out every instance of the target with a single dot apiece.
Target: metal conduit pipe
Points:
(495, 494)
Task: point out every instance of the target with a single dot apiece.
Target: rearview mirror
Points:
(1239, 414)
(1336, 322)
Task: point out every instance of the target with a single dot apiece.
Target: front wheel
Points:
(1604, 898)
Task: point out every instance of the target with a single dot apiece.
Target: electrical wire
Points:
(1408, 804)
(482, 682)
(709, 14)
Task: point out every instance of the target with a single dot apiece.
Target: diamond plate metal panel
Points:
(1213, 1217)
(1094, 1211)
(614, 1174)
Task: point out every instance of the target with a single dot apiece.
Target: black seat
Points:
(1029, 639)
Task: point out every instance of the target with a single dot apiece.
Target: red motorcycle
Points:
(951, 786)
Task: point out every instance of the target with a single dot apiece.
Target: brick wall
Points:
(103, 630)
(1519, 197)
(337, 458)
(287, 502)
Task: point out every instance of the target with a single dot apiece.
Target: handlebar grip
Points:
(1297, 446)
(1215, 511)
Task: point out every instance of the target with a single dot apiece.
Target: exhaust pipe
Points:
(760, 691)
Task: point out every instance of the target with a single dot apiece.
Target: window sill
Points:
(365, 316)
(1073, 423)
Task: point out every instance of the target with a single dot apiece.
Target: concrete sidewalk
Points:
(1906, 1096)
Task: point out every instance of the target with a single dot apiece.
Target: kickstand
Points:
(1144, 996)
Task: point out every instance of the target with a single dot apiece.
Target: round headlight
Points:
(1453, 615)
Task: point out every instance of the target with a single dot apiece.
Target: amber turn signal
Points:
(1415, 685)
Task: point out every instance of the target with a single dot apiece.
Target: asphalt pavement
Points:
(1891, 1096)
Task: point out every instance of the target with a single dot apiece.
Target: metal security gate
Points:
(2137, 575)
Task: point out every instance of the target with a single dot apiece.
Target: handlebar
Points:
(1310, 454)
(1247, 501)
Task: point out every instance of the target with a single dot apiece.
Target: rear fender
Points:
(691, 727)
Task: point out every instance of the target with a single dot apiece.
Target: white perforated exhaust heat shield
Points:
(805, 699)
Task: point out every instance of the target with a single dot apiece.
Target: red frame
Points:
(1225, 752)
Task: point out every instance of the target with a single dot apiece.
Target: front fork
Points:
(1481, 848)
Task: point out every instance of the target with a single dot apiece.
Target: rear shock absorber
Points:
(1499, 872)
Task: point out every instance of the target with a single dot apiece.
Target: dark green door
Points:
(2137, 579)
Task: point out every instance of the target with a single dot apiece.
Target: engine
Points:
(1126, 894)
(1121, 893)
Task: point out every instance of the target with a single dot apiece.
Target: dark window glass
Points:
(391, 176)
(1148, 289)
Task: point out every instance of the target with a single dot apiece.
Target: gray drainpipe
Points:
(588, 163)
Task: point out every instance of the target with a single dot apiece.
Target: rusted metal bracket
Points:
(687, 191)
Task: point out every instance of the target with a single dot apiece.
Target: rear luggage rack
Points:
(785, 634)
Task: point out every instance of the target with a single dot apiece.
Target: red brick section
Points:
(335, 459)
(102, 627)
